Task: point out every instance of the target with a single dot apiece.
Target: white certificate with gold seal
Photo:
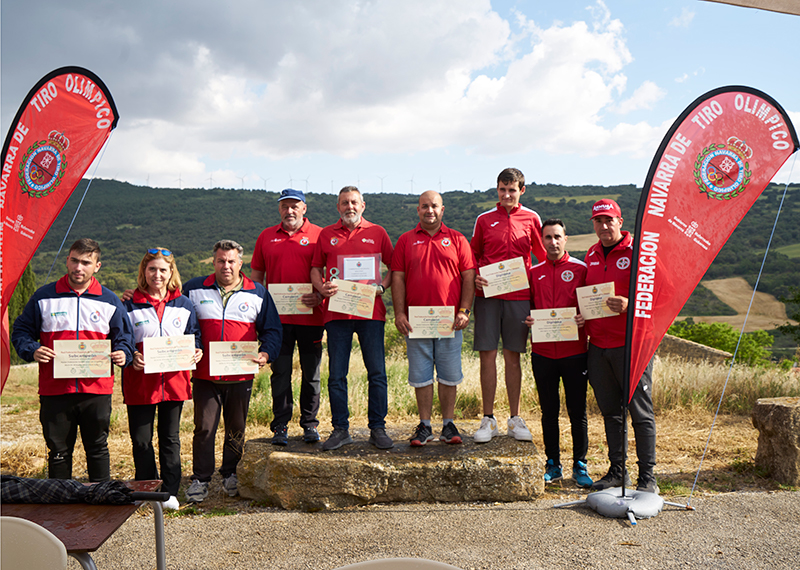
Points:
(86, 358)
(232, 358)
(504, 277)
(168, 353)
(592, 300)
(554, 325)
(431, 322)
(288, 297)
(351, 298)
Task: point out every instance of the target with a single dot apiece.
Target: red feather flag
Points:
(58, 131)
(711, 167)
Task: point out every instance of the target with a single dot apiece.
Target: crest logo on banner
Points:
(43, 166)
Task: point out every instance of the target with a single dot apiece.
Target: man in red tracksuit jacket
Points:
(553, 284)
(610, 260)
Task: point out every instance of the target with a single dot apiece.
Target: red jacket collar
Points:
(142, 297)
(279, 228)
(443, 229)
(514, 210)
(247, 283)
(560, 261)
(63, 286)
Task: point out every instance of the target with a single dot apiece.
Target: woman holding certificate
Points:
(167, 347)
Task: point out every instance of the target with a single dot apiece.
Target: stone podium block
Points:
(778, 423)
(303, 477)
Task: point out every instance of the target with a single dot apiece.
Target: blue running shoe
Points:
(581, 475)
(552, 472)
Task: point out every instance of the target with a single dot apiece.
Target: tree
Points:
(752, 347)
(23, 291)
(793, 300)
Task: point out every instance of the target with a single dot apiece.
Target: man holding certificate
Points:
(346, 270)
(283, 255)
(558, 350)
(433, 284)
(75, 328)
(609, 260)
(241, 333)
(504, 236)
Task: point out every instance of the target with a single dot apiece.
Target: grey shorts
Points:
(496, 318)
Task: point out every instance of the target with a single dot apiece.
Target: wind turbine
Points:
(242, 179)
(470, 184)
(412, 183)
(382, 177)
(210, 181)
(265, 182)
(306, 181)
(180, 182)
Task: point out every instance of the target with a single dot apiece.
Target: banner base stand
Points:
(634, 505)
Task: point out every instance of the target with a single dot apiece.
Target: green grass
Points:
(790, 250)
(196, 510)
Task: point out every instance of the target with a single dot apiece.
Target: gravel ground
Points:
(735, 530)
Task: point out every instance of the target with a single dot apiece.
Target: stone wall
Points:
(686, 349)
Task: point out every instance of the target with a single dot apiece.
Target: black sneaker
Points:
(612, 479)
(280, 436)
(647, 483)
(379, 439)
(338, 438)
(310, 435)
(422, 435)
(449, 434)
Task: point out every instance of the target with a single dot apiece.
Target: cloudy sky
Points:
(402, 96)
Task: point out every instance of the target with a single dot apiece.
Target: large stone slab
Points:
(305, 478)
(778, 423)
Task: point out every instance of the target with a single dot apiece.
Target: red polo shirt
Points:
(499, 235)
(433, 266)
(337, 242)
(287, 258)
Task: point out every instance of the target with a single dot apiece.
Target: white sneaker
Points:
(487, 430)
(231, 485)
(518, 430)
(172, 504)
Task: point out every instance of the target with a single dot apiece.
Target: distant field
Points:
(790, 250)
(578, 199)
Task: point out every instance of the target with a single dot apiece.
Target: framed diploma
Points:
(554, 325)
(168, 353)
(504, 277)
(365, 268)
(232, 358)
(592, 300)
(82, 358)
(431, 322)
(356, 299)
(288, 298)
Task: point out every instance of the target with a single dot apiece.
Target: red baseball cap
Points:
(606, 207)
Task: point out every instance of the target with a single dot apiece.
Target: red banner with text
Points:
(58, 131)
(713, 164)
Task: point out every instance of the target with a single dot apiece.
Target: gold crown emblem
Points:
(58, 140)
(740, 147)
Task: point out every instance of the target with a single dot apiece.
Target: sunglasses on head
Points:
(156, 250)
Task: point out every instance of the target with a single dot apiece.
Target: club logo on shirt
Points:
(334, 241)
(446, 242)
(177, 323)
(494, 224)
(594, 263)
(207, 302)
(541, 277)
(141, 323)
(304, 241)
(623, 263)
(244, 307)
(567, 276)
(368, 240)
(277, 239)
(58, 314)
(94, 316)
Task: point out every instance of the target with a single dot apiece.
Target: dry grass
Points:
(685, 397)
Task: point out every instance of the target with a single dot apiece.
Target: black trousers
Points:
(141, 420)
(309, 346)
(548, 373)
(61, 416)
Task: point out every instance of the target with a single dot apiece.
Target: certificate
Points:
(82, 358)
(288, 298)
(232, 358)
(504, 277)
(592, 300)
(168, 353)
(365, 267)
(554, 325)
(431, 322)
(356, 299)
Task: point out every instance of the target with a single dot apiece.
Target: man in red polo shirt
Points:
(553, 284)
(353, 249)
(433, 266)
(505, 232)
(283, 255)
(610, 260)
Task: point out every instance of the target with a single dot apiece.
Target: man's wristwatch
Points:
(381, 289)
(465, 311)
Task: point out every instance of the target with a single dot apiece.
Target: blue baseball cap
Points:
(292, 194)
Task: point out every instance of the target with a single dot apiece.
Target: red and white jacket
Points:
(553, 285)
(56, 312)
(249, 314)
(609, 332)
(174, 316)
(498, 236)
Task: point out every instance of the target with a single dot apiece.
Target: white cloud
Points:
(644, 97)
(684, 20)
